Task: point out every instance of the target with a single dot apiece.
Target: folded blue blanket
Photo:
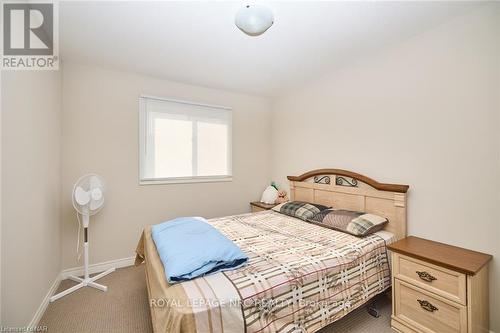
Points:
(190, 247)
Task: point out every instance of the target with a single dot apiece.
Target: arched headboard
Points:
(349, 190)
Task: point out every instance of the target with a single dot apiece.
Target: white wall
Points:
(31, 174)
(1, 220)
(423, 113)
(100, 131)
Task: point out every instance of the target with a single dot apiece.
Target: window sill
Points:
(185, 180)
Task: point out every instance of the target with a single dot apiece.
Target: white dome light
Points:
(254, 20)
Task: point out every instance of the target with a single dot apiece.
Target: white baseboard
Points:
(100, 267)
(78, 271)
(45, 302)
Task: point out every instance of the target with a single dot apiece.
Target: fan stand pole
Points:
(87, 281)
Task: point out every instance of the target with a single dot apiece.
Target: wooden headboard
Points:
(344, 189)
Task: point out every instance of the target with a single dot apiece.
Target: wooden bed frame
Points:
(342, 189)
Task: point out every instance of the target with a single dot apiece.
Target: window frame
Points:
(179, 180)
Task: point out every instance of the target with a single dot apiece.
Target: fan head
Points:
(88, 194)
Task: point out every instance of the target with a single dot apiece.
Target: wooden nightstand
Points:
(258, 206)
(438, 288)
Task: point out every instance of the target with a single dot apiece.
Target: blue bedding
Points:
(190, 247)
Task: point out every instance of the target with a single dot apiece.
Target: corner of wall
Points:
(31, 126)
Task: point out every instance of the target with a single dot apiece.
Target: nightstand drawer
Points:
(442, 281)
(427, 312)
(256, 209)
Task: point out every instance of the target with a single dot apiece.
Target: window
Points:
(183, 142)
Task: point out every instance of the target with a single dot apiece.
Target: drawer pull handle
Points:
(427, 306)
(426, 276)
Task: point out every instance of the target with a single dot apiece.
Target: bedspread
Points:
(300, 277)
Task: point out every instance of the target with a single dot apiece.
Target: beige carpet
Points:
(124, 308)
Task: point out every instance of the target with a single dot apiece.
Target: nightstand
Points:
(438, 288)
(258, 206)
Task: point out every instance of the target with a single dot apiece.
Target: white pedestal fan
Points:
(88, 199)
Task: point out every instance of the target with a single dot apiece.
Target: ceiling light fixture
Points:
(254, 19)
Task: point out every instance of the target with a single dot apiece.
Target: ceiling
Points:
(198, 43)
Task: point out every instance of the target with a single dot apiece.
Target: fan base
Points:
(89, 282)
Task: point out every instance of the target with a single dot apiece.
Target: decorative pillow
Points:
(299, 209)
(335, 219)
(354, 223)
(366, 224)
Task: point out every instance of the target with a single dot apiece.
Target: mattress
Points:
(300, 277)
(387, 236)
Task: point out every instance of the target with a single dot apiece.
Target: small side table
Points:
(258, 206)
(438, 287)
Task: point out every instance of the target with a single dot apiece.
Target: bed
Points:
(300, 277)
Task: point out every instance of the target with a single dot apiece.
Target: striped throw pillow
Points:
(299, 209)
(366, 224)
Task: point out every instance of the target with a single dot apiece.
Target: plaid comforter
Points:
(300, 278)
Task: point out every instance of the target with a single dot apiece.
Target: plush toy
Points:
(272, 195)
(282, 197)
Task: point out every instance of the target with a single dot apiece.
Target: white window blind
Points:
(183, 141)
